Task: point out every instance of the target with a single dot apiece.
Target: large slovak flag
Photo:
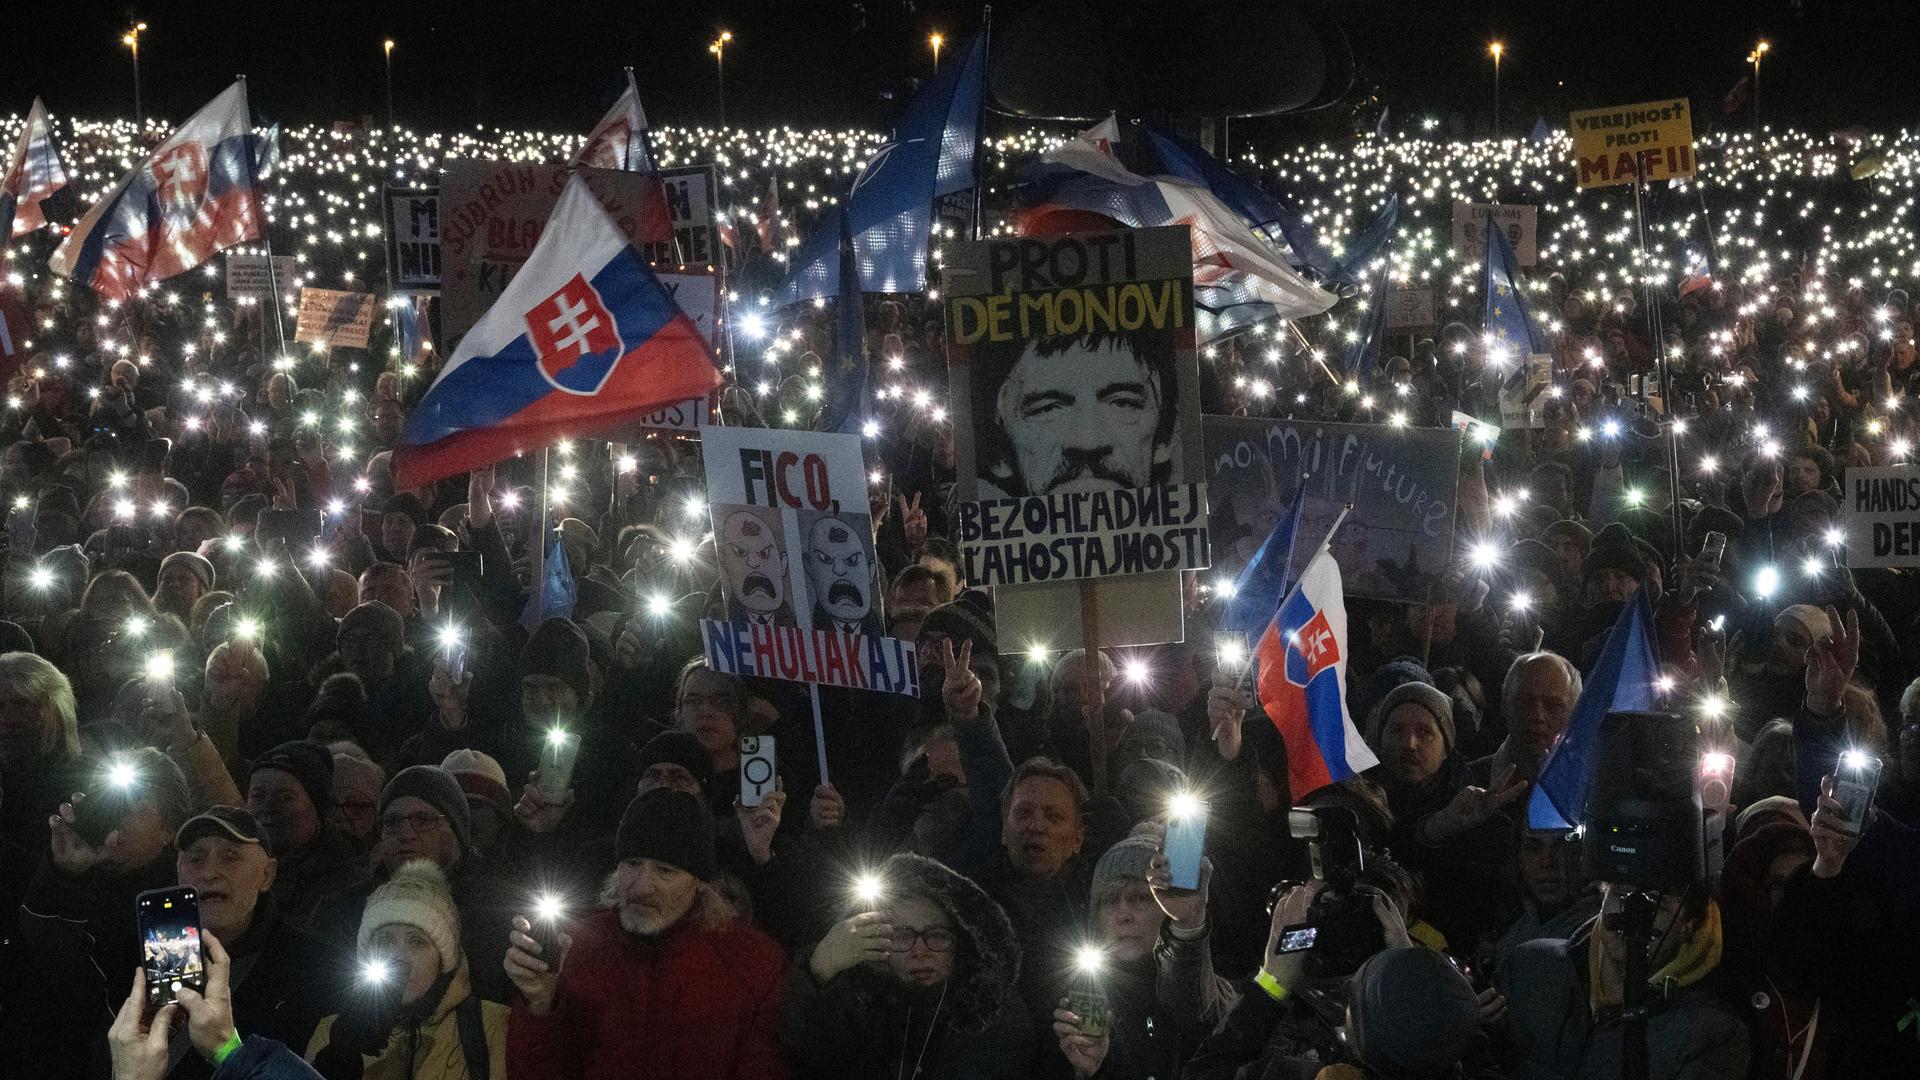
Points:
(33, 173)
(195, 195)
(1302, 679)
(583, 339)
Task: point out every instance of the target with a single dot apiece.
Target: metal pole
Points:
(720, 69)
(139, 114)
(1661, 362)
(1756, 97)
(1496, 95)
(539, 591)
(390, 125)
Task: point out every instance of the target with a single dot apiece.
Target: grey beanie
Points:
(1427, 696)
(1126, 861)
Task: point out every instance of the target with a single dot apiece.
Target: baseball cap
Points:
(226, 822)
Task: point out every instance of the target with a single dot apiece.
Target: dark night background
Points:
(554, 64)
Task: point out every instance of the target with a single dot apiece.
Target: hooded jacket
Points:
(866, 1023)
(430, 1049)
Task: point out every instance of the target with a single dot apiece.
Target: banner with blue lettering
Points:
(1401, 482)
(794, 538)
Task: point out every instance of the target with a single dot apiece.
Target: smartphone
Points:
(20, 528)
(1090, 1004)
(1185, 842)
(98, 815)
(1853, 785)
(299, 528)
(558, 753)
(543, 926)
(170, 943)
(466, 566)
(457, 660)
(1713, 551)
(757, 778)
(1298, 938)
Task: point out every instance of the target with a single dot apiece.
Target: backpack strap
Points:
(473, 1039)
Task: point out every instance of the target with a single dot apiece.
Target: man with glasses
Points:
(424, 815)
(290, 792)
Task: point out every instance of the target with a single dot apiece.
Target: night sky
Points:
(806, 62)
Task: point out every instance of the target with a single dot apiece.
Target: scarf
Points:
(1699, 955)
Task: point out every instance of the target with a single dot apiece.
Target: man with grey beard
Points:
(664, 977)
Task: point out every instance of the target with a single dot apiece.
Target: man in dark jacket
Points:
(919, 982)
(280, 976)
(289, 792)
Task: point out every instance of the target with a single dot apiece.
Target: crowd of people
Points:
(337, 740)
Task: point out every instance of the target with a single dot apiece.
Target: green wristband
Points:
(226, 1048)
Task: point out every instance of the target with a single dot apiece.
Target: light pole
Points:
(719, 51)
(1497, 49)
(936, 40)
(1759, 50)
(131, 39)
(388, 46)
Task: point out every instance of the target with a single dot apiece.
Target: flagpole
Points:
(819, 731)
(1096, 708)
(1241, 683)
(1661, 361)
(979, 124)
(626, 152)
(540, 537)
(266, 226)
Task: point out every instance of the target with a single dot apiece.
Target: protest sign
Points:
(1410, 307)
(1076, 406)
(794, 538)
(1520, 223)
(689, 415)
(1401, 481)
(331, 317)
(493, 212)
(1523, 400)
(699, 296)
(413, 238)
(1649, 141)
(1882, 505)
(251, 277)
(693, 209)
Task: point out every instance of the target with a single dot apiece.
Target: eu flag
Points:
(1510, 329)
(556, 595)
(1364, 354)
(846, 403)
(1262, 584)
(1621, 681)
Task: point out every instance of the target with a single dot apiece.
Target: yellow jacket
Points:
(432, 1052)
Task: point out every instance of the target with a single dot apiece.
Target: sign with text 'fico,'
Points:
(1882, 506)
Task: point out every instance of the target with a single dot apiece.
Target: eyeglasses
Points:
(937, 938)
(421, 822)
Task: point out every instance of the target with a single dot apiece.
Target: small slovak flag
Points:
(1302, 680)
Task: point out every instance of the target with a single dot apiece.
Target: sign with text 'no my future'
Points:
(1649, 141)
(1883, 516)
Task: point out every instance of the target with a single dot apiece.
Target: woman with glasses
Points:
(917, 982)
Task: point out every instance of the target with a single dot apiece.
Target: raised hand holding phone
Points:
(531, 968)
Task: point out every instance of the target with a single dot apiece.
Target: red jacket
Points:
(702, 1004)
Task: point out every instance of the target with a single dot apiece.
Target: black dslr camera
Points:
(1346, 930)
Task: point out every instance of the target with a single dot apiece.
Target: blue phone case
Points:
(1186, 841)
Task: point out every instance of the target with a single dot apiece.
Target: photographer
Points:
(141, 1044)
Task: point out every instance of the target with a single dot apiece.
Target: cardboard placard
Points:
(693, 209)
(1401, 481)
(1520, 223)
(1650, 141)
(795, 543)
(334, 318)
(412, 224)
(251, 277)
(1410, 307)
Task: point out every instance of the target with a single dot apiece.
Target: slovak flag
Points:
(619, 140)
(193, 197)
(1302, 679)
(583, 339)
(33, 173)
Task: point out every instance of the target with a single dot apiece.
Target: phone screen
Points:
(1853, 790)
(170, 943)
(1185, 842)
(1298, 938)
(558, 753)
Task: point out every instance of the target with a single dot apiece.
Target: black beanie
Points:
(671, 827)
(558, 648)
(309, 762)
(679, 748)
(437, 788)
(968, 618)
(1614, 549)
(1413, 1014)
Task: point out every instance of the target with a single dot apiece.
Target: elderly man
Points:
(222, 854)
(289, 792)
(39, 747)
(665, 976)
(1536, 700)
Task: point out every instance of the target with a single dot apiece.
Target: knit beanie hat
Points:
(1428, 697)
(558, 648)
(437, 788)
(1812, 621)
(1126, 862)
(1156, 731)
(1362, 700)
(202, 568)
(671, 827)
(376, 618)
(968, 618)
(480, 777)
(1413, 1014)
(310, 763)
(416, 895)
(678, 748)
(1614, 549)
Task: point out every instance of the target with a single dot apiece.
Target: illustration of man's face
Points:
(1082, 419)
(755, 566)
(838, 570)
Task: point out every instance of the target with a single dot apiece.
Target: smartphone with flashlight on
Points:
(385, 981)
(558, 753)
(169, 921)
(757, 775)
(543, 925)
(1186, 840)
(1853, 785)
(1087, 1001)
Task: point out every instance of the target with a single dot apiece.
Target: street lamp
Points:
(131, 39)
(719, 51)
(1759, 50)
(936, 40)
(388, 46)
(1497, 50)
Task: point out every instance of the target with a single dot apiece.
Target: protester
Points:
(290, 791)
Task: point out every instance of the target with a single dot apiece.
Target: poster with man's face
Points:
(794, 536)
(1077, 412)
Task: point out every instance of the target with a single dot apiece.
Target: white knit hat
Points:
(416, 895)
